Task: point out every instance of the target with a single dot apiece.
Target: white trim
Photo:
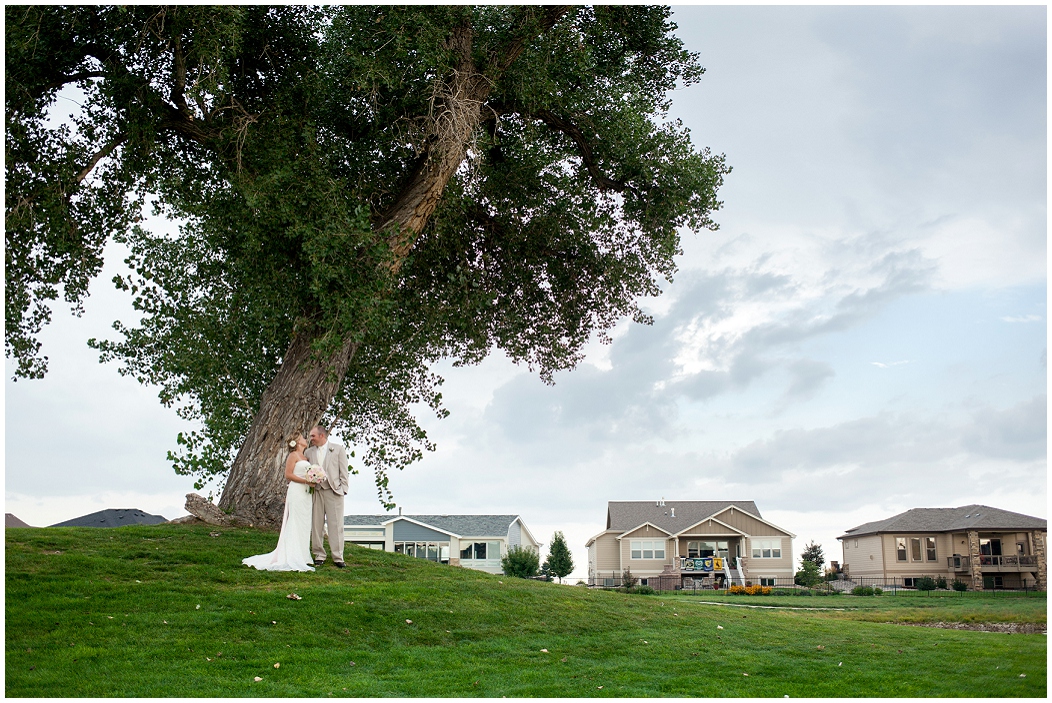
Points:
(593, 538)
(729, 527)
(645, 524)
(756, 517)
(423, 524)
(523, 526)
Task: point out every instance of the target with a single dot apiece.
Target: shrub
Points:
(940, 583)
(749, 590)
(808, 575)
(520, 562)
(628, 580)
(925, 583)
(643, 590)
(866, 591)
(959, 585)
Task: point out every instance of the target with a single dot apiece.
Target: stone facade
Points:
(1040, 540)
(973, 561)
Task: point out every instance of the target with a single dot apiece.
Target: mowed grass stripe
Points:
(114, 613)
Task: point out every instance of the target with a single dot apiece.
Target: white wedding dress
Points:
(293, 550)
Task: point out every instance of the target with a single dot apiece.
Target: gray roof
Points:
(10, 520)
(113, 517)
(968, 517)
(625, 515)
(464, 525)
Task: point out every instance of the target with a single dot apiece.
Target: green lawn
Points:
(169, 611)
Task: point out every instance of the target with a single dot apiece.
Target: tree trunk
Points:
(294, 402)
(304, 387)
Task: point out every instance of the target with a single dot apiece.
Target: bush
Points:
(520, 562)
(925, 583)
(749, 590)
(808, 575)
(628, 580)
(643, 590)
(940, 583)
(866, 591)
(959, 585)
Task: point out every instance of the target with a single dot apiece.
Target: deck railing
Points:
(994, 561)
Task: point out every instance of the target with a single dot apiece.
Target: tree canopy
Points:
(384, 186)
(559, 562)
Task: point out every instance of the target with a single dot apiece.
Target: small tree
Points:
(520, 562)
(925, 583)
(627, 579)
(809, 575)
(559, 562)
(813, 553)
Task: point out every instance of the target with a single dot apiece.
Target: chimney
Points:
(399, 511)
(673, 512)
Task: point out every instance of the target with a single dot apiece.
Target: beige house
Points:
(473, 541)
(984, 547)
(687, 543)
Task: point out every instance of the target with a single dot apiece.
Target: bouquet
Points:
(315, 474)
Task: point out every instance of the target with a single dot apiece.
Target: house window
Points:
(1020, 548)
(990, 547)
(915, 548)
(767, 549)
(907, 582)
(648, 549)
(900, 548)
(478, 551)
(929, 548)
(644, 582)
(766, 581)
(432, 551)
(856, 543)
(707, 549)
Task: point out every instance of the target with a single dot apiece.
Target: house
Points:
(984, 547)
(12, 520)
(688, 543)
(473, 541)
(113, 517)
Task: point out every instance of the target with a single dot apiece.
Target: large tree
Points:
(360, 192)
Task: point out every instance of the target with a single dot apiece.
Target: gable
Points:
(410, 531)
(751, 525)
(711, 526)
(646, 530)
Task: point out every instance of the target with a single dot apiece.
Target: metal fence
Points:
(892, 586)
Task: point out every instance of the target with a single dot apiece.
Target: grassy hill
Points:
(168, 610)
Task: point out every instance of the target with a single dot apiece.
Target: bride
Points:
(293, 550)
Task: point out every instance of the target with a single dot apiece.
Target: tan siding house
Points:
(982, 546)
(676, 544)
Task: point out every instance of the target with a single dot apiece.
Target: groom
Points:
(328, 495)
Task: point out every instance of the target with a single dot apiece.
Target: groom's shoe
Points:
(319, 562)
(339, 564)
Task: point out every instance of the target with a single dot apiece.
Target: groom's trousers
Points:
(328, 507)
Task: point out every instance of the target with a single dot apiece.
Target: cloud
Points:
(1023, 318)
(882, 365)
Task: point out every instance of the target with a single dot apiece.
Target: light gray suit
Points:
(328, 500)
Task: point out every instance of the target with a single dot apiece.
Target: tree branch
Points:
(100, 155)
(63, 80)
(178, 96)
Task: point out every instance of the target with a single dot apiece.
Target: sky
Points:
(865, 333)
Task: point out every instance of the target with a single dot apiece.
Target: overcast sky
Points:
(866, 332)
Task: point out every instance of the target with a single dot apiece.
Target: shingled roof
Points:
(463, 525)
(113, 517)
(625, 515)
(968, 517)
(11, 520)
